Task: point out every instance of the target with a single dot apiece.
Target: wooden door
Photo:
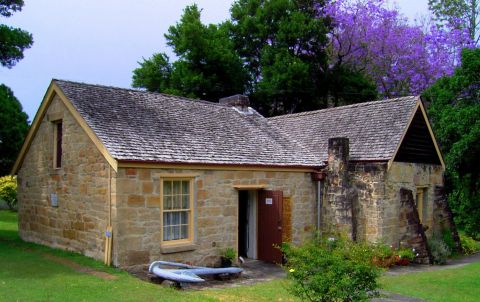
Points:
(270, 226)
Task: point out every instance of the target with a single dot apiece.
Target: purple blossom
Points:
(399, 57)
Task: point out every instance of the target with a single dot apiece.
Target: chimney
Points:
(339, 194)
(238, 101)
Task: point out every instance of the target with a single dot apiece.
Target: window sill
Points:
(177, 248)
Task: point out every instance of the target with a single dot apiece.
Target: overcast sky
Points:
(101, 41)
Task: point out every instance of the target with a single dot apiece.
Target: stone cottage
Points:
(132, 177)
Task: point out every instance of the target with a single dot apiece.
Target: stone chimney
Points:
(339, 196)
(238, 101)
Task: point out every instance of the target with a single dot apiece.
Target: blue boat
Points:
(186, 273)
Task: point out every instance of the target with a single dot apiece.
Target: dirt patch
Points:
(80, 268)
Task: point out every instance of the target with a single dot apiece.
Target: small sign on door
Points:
(268, 201)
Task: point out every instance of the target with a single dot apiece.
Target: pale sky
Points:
(101, 41)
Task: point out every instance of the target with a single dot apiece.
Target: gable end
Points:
(419, 145)
(53, 90)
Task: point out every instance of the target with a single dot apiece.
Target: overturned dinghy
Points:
(187, 273)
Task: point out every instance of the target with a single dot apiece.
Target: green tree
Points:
(208, 67)
(282, 44)
(272, 50)
(462, 13)
(8, 191)
(154, 73)
(13, 128)
(455, 112)
(14, 122)
(13, 41)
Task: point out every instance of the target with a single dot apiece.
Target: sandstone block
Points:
(153, 201)
(136, 201)
(147, 187)
(70, 234)
(131, 172)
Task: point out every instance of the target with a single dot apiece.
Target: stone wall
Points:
(368, 182)
(408, 176)
(410, 229)
(79, 221)
(137, 233)
(374, 194)
(338, 206)
(443, 217)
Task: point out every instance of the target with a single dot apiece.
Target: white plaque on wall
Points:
(54, 200)
(268, 201)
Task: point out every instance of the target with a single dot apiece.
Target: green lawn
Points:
(27, 275)
(459, 284)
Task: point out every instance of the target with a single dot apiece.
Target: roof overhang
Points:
(216, 166)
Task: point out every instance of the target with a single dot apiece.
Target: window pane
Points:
(184, 230)
(167, 233)
(184, 218)
(176, 187)
(185, 187)
(177, 202)
(176, 218)
(167, 188)
(167, 202)
(167, 219)
(176, 232)
(186, 202)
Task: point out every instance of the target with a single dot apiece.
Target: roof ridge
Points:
(293, 115)
(180, 98)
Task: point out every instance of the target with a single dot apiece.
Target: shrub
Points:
(406, 253)
(228, 255)
(383, 255)
(469, 245)
(448, 239)
(439, 249)
(328, 269)
(8, 191)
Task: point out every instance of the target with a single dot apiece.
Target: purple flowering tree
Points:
(399, 57)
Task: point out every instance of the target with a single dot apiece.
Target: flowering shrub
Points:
(331, 269)
(406, 253)
(8, 191)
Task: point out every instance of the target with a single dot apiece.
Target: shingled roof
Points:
(373, 128)
(142, 126)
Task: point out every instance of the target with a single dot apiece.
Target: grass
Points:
(455, 284)
(27, 275)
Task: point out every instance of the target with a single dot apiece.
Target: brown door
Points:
(270, 226)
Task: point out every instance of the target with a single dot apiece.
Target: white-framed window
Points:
(177, 209)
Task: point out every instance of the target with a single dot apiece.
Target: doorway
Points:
(247, 224)
(260, 225)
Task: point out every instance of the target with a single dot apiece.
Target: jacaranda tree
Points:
(399, 57)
